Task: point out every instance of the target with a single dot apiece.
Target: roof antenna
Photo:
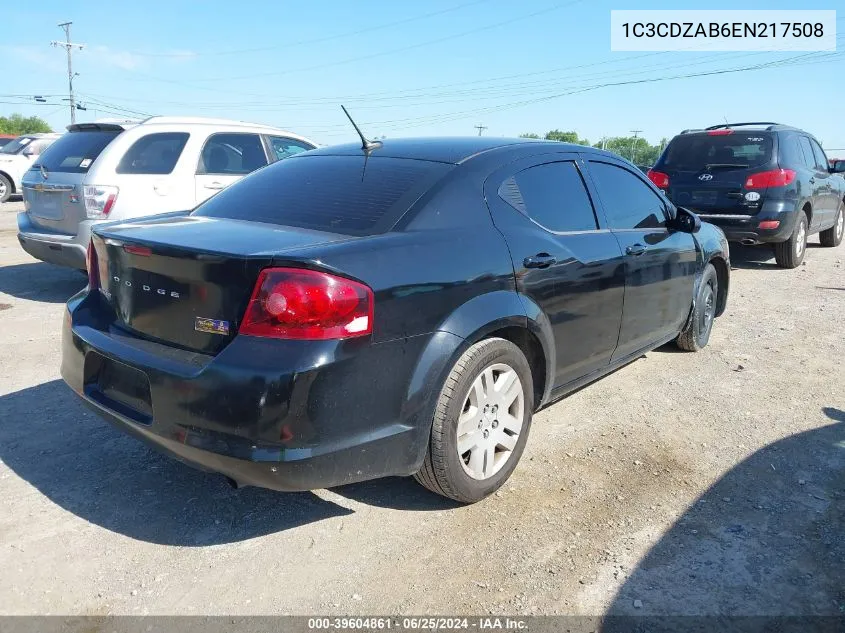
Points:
(367, 146)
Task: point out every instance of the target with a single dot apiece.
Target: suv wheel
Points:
(481, 422)
(833, 235)
(790, 254)
(5, 188)
(697, 332)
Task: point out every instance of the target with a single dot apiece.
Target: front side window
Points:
(286, 147)
(628, 201)
(153, 154)
(232, 154)
(553, 195)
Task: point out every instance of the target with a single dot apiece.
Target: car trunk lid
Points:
(186, 280)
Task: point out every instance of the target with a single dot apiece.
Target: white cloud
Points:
(119, 59)
(31, 55)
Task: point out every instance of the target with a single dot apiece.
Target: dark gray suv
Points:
(758, 182)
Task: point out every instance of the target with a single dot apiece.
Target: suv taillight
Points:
(660, 179)
(293, 303)
(771, 178)
(99, 200)
(93, 268)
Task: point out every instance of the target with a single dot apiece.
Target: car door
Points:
(226, 158)
(660, 263)
(817, 182)
(565, 262)
(828, 192)
(147, 176)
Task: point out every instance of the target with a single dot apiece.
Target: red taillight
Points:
(144, 251)
(296, 303)
(93, 268)
(720, 132)
(769, 224)
(659, 178)
(772, 178)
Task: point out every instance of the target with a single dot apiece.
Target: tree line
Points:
(17, 124)
(636, 149)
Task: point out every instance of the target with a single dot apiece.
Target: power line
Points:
(68, 46)
(480, 128)
(364, 57)
(320, 40)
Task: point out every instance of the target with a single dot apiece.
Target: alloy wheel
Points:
(801, 239)
(490, 421)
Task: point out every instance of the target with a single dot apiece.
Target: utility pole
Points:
(634, 143)
(68, 46)
(480, 128)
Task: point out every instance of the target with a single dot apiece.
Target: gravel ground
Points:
(706, 483)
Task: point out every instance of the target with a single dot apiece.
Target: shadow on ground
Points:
(758, 257)
(41, 282)
(768, 538)
(86, 466)
(91, 469)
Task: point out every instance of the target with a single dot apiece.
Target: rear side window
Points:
(807, 152)
(286, 147)
(153, 154)
(791, 154)
(821, 159)
(553, 195)
(232, 154)
(341, 194)
(75, 152)
(628, 201)
(693, 152)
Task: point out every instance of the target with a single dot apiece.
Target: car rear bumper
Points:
(62, 249)
(285, 415)
(746, 228)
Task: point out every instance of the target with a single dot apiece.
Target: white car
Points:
(116, 170)
(16, 157)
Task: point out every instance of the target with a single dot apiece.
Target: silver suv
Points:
(114, 170)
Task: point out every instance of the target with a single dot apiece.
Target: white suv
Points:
(16, 157)
(116, 170)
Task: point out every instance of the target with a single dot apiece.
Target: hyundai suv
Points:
(759, 182)
(117, 170)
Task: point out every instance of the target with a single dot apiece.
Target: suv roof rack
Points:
(769, 125)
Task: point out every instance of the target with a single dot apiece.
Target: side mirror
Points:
(838, 167)
(686, 221)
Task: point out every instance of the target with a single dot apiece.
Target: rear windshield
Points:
(341, 194)
(75, 152)
(16, 145)
(696, 151)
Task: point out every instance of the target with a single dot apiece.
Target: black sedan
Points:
(349, 314)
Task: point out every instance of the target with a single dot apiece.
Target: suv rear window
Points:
(693, 152)
(75, 152)
(153, 154)
(340, 194)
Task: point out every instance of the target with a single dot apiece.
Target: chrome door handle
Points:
(214, 185)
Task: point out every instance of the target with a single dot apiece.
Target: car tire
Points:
(833, 235)
(494, 441)
(790, 254)
(696, 334)
(5, 188)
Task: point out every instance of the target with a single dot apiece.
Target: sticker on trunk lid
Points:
(211, 326)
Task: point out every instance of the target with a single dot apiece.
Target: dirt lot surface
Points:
(704, 483)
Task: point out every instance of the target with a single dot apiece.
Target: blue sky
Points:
(402, 68)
